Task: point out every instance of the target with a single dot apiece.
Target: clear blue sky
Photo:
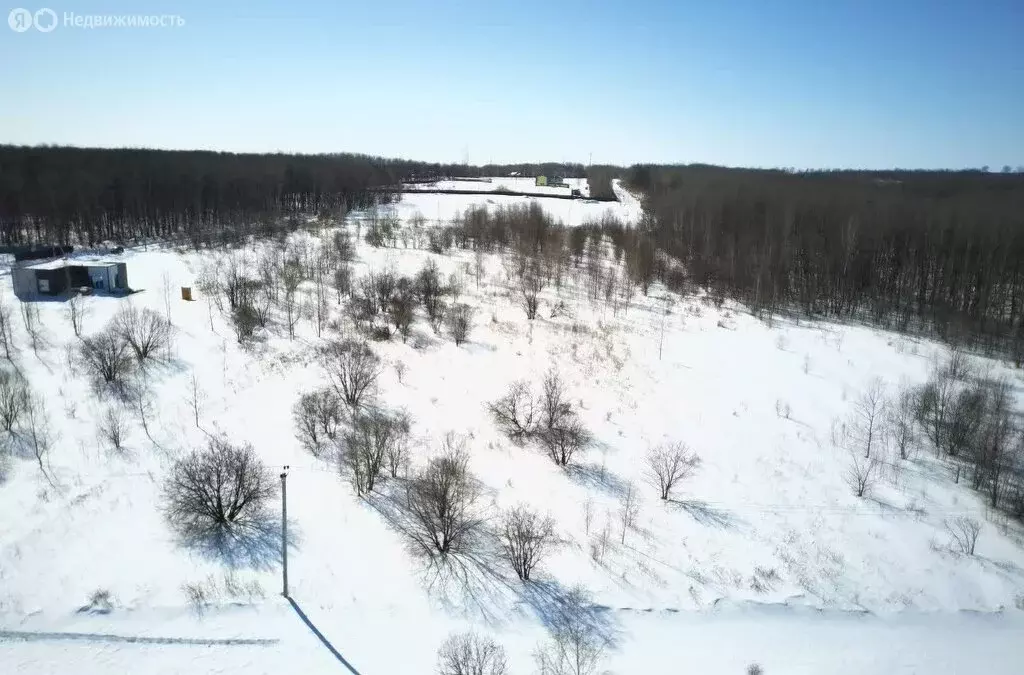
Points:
(804, 83)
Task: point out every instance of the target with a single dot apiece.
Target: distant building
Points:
(553, 181)
(59, 276)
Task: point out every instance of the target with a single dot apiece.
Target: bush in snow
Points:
(526, 537)
(964, 533)
(669, 464)
(353, 368)
(108, 357)
(147, 332)
(471, 654)
(442, 505)
(377, 439)
(515, 413)
(317, 415)
(245, 320)
(862, 473)
(14, 399)
(460, 322)
(220, 488)
(561, 430)
(113, 428)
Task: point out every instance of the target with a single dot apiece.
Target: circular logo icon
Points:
(45, 20)
(20, 20)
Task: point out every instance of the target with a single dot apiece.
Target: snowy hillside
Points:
(764, 554)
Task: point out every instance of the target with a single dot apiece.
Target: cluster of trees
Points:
(599, 179)
(967, 418)
(61, 195)
(940, 251)
(548, 417)
(133, 340)
(576, 646)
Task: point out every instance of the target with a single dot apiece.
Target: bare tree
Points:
(516, 412)
(317, 415)
(470, 654)
(113, 428)
(867, 421)
(220, 488)
(342, 280)
(964, 532)
(460, 322)
(352, 368)
(565, 440)
(375, 439)
(148, 333)
(526, 537)
(629, 509)
(196, 397)
(78, 310)
(862, 473)
(669, 464)
(37, 433)
(900, 424)
(15, 398)
(166, 290)
(108, 356)
(292, 310)
(555, 408)
(245, 320)
(442, 506)
(401, 306)
(531, 283)
(33, 325)
(6, 336)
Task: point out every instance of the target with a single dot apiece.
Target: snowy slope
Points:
(766, 557)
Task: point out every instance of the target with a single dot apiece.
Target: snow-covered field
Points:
(443, 207)
(766, 556)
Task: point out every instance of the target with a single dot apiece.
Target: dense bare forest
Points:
(60, 195)
(912, 250)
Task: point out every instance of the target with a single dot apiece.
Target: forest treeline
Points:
(939, 251)
(65, 195)
(61, 195)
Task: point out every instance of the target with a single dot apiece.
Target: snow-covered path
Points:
(780, 639)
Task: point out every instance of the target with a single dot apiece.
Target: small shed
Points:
(59, 276)
(542, 181)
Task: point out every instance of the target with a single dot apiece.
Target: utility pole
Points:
(284, 531)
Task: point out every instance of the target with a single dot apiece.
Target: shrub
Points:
(669, 464)
(353, 368)
(14, 399)
(219, 488)
(376, 438)
(526, 537)
(964, 532)
(147, 332)
(108, 356)
(460, 322)
(442, 505)
(515, 413)
(317, 415)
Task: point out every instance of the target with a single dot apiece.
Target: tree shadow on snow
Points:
(707, 514)
(557, 606)
(473, 579)
(257, 545)
(594, 477)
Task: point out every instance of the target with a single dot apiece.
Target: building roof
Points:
(60, 263)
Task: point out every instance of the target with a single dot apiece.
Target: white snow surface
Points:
(440, 208)
(765, 557)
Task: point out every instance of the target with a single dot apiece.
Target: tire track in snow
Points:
(38, 636)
